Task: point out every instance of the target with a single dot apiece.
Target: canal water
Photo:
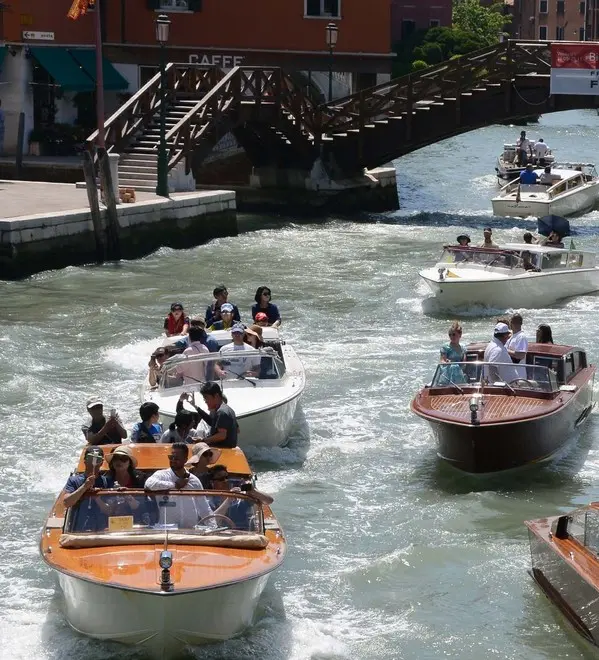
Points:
(392, 554)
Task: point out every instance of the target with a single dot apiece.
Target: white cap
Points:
(501, 329)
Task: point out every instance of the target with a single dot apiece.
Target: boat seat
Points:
(231, 540)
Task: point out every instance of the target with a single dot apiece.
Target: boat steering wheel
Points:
(519, 381)
(226, 519)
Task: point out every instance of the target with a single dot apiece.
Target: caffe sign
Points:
(223, 61)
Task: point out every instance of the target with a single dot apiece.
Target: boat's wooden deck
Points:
(496, 408)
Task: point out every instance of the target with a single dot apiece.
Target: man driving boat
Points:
(500, 368)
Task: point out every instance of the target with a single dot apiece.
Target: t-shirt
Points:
(518, 343)
(111, 438)
(528, 177)
(540, 149)
(272, 311)
(168, 437)
(233, 353)
(524, 144)
(238, 511)
(87, 515)
(143, 433)
(194, 371)
(75, 481)
(497, 352)
(225, 418)
(213, 314)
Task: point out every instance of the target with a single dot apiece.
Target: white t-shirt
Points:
(524, 144)
(540, 149)
(194, 372)
(518, 343)
(497, 352)
(239, 365)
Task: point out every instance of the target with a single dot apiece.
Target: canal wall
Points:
(65, 237)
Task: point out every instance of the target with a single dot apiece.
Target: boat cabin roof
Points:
(155, 457)
(549, 350)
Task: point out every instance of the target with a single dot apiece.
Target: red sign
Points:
(575, 56)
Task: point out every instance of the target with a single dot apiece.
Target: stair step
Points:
(143, 166)
(143, 160)
(137, 183)
(137, 176)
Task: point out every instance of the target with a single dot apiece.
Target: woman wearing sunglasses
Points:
(263, 304)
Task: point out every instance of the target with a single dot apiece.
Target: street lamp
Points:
(331, 35)
(163, 25)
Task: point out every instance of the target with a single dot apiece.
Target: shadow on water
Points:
(560, 474)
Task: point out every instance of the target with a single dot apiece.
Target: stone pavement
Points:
(25, 198)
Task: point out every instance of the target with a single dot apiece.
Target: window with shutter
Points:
(312, 7)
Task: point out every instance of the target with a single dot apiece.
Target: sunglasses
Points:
(266, 293)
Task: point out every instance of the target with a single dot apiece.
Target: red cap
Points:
(261, 316)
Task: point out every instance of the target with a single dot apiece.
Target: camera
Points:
(245, 488)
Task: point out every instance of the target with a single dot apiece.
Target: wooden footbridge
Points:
(279, 125)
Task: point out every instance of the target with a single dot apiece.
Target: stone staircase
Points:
(138, 166)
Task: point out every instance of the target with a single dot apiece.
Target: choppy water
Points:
(392, 554)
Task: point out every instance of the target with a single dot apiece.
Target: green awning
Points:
(112, 78)
(63, 68)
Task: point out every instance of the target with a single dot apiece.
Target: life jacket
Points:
(174, 326)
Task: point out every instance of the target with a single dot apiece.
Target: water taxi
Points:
(489, 417)
(507, 167)
(134, 569)
(264, 403)
(576, 191)
(565, 564)
(513, 275)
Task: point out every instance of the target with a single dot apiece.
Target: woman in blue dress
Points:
(451, 353)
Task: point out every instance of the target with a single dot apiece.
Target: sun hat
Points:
(227, 307)
(93, 402)
(199, 450)
(123, 450)
(459, 238)
(501, 329)
(255, 330)
(261, 316)
(238, 328)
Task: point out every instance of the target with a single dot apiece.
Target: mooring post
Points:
(410, 108)
(113, 249)
(89, 172)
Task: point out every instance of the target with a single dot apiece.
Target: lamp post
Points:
(331, 35)
(163, 24)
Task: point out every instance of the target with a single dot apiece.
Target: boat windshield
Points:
(484, 256)
(262, 364)
(458, 375)
(191, 512)
(583, 525)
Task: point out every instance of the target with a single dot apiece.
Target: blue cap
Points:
(227, 307)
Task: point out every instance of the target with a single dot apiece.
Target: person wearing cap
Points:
(463, 240)
(261, 319)
(177, 322)
(227, 318)
(238, 366)
(529, 176)
(102, 431)
(264, 305)
(79, 484)
(500, 367)
(157, 359)
(488, 236)
(122, 466)
(202, 455)
(213, 311)
(222, 420)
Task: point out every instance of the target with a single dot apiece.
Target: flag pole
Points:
(100, 143)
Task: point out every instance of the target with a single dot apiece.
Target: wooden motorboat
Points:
(507, 167)
(265, 405)
(498, 277)
(565, 564)
(576, 191)
(147, 579)
(485, 425)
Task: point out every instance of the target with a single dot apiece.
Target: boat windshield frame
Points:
(151, 514)
(511, 258)
(173, 366)
(582, 526)
(470, 374)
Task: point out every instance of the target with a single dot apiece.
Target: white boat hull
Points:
(527, 290)
(161, 624)
(569, 203)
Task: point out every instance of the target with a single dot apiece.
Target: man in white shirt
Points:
(500, 367)
(524, 149)
(517, 344)
(184, 512)
(236, 364)
(195, 370)
(540, 150)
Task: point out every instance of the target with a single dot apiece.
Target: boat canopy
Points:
(458, 375)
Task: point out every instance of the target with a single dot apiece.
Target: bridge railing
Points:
(128, 122)
(493, 65)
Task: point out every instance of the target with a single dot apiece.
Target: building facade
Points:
(407, 16)
(561, 20)
(47, 65)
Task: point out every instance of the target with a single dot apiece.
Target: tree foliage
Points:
(482, 23)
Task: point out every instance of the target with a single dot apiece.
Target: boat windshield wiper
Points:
(241, 377)
(510, 388)
(458, 388)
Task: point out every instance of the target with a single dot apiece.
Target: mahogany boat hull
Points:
(495, 447)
